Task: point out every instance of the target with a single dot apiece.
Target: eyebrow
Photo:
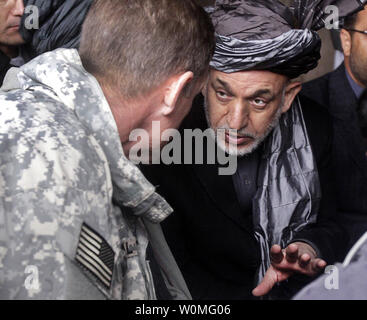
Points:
(257, 93)
(262, 92)
(225, 85)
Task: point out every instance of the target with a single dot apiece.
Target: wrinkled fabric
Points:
(62, 166)
(267, 35)
(60, 25)
(233, 55)
(264, 19)
(251, 19)
(289, 193)
(311, 14)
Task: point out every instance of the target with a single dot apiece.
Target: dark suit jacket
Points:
(211, 238)
(335, 94)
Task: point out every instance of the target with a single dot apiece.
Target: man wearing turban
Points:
(275, 217)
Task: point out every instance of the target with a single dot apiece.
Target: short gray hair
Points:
(138, 44)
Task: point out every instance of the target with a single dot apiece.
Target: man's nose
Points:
(18, 8)
(237, 116)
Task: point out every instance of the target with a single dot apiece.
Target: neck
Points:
(129, 114)
(10, 51)
(124, 112)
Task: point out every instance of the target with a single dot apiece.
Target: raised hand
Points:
(298, 257)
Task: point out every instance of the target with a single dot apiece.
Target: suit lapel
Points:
(343, 104)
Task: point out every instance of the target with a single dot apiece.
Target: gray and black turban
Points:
(268, 35)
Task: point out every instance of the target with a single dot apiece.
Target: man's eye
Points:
(259, 102)
(222, 95)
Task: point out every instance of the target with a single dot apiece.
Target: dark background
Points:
(206, 2)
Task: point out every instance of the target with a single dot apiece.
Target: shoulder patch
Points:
(95, 255)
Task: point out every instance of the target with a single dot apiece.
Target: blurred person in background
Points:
(339, 92)
(11, 12)
(45, 26)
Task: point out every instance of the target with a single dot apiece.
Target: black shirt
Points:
(245, 180)
(4, 66)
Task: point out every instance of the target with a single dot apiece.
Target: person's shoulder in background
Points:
(319, 126)
(342, 281)
(318, 89)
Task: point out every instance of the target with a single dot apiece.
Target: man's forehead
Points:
(249, 81)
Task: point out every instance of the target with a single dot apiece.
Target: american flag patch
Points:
(95, 255)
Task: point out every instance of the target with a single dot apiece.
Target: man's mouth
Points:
(14, 25)
(14, 28)
(237, 139)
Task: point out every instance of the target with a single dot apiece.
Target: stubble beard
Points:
(359, 69)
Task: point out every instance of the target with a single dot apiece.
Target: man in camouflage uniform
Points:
(75, 213)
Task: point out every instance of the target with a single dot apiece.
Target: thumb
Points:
(267, 283)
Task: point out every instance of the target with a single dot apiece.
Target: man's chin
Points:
(238, 150)
(14, 39)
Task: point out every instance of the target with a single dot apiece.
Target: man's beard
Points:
(359, 69)
(233, 150)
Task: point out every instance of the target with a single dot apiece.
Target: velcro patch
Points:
(95, 254)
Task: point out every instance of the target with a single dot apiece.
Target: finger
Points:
(268, 282)
(276, 254)
(318, 265)
(321, 264)
(304, 260)
(291, 253)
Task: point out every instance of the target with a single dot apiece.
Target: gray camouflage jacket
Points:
(63, 181)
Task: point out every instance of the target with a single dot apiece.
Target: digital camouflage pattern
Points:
(62, 165)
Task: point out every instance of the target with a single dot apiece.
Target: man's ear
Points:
(346, 40)
(291, 91)
(204, 91)
(174, 89)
